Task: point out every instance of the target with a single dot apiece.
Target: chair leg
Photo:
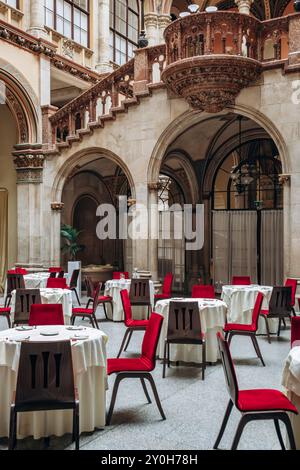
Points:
(239, 432)
(267, 328)
(224, 424)
(229, 338)
(88, 304)
(77, 428)
(145, 390)
(279, 326)
(123, 342)
(105, 312)
(279, 435)
(12, 430)
(77, 297)
(293, 312)
(151, 380)
(129, 339)
(169, 361)
(285, 418)
(96, 321)
(203, 359)
(113, 399)
(72, 320)
(8, 320)
(257, 349)
(165, 360)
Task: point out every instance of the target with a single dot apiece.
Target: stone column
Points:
(151, 27)
(153, 229)
(163, 22)
(103, 65)
(244, 6)
(37, 19)
(29, 162)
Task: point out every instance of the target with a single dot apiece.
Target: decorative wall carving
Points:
(29, 162)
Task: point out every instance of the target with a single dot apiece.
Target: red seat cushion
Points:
(264, 400)
(161, 296)
(238, 327)
(137, 323)
(123, 365)
(5, 310)
(264, 312)
(104, 298)
(82, 311)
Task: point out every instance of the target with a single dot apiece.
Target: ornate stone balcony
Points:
(211, 57)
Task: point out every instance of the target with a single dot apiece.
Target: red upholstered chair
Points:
(140, 368)
(131, 325)
(5, 312)
(21, 271)
(102, 299)
(57, 283)
(203, 292)
(295, 330)
(166, 289)
(241, 280)
(233, 329)
(89, 313)
(293, 284)
(117, 275)
(253, 404)
(46, 314)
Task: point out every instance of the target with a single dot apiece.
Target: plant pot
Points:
(72, 265)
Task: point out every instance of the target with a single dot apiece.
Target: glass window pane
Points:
(60, 7)
(67, 11)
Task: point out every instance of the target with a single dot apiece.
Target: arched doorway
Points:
(84, 218)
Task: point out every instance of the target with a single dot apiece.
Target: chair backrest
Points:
(293, 284)
(52, 275)
(203, 292)
(96, 296)
(24, 299)
(241, 280)
(61, 274)
(126, 305)
(184, 321)
(167, 285)
(55, 270)
(15, 281)
(295, 329)
(45, 375)
(280, 302)
(46, 314)
(257, 309)
(117, 275)
(21, 271)
(89, 287)
(151, 338)
(140, 292)
(74, 278)
(56, 283)
(228, 368)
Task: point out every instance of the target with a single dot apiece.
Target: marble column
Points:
(163, 22)
(37, 19)
(103, 64)
(151, 27)
(244, 6)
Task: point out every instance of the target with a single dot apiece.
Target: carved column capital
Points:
(57, 206)
(284, 179)
(154, 186)
(244, 6)
(151, 20)
(29, 162)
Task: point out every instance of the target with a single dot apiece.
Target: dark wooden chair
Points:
(280, 307)
(52, 275)
(257, 404)
(61, 274)
(45, 382)
(295, 330)
(14, 282)
(139, 294)
(184, 327)
(233, 329)
(89, 313)
(24, 299)
(102, 299)
(73, 284)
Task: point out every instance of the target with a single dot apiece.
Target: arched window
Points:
(124, 29)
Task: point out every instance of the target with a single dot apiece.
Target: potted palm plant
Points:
(71, 248)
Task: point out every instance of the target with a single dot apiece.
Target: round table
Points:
(212, 315)
(52, 296)
(89, 363)
(240, 301)
(291, 381)
(113, 288)
(36, 280)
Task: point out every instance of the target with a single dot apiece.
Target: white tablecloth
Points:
(113, 288)
(36, 280)
(240, 301)
(89, 363)
(52, 296)
(212, 314)
(291, 381)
